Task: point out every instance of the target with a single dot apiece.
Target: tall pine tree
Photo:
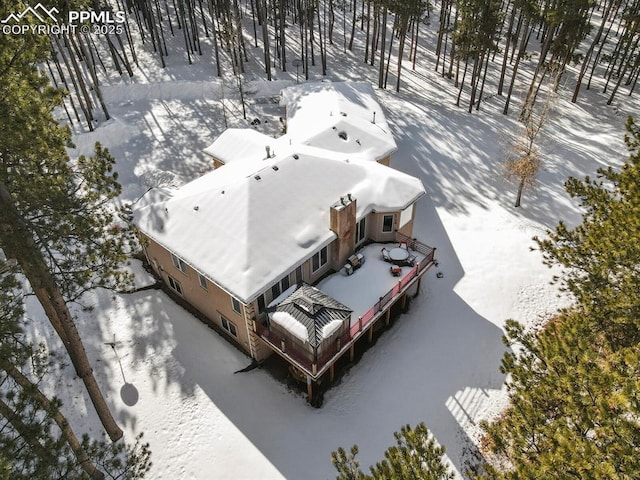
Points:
(55, 215)
(575, 385)
(415, 456)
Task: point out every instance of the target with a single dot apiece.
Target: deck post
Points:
(352, 351)
(331, 373)
(418, 289)
(370, 334)
(359, 324)
(387, 317)
(309, 388)
(404, 302)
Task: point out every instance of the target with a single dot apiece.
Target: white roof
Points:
(338, 116)
(240, 144)
(245, 233)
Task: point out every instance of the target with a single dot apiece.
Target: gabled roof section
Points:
(247, 224)
(317, 312)
(341, 116)
(240, 144)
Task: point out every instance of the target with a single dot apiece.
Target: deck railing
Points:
(424, 249)
(343, 342)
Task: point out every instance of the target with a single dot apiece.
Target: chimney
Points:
(342, 218)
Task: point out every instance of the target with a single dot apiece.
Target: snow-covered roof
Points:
(341, 116)
(247, 224)
(310, 314)
(239, 144)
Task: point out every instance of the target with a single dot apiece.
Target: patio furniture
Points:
(385, 255)
(398, 255)
(348, 269)
(356, 260)
(395, 270)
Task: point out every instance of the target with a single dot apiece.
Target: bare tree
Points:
(523, 159)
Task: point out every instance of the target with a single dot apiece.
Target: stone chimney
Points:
(342, 221)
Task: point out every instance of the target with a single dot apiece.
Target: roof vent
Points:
(343, 114)
(334, 127)
(275, 167)
(257, 177)
(223, 192)
(358, 142)
(343, 135)
(296, 156)
(196, 208)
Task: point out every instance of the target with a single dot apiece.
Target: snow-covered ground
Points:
(173, 378)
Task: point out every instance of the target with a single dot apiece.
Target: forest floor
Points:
(172, 378)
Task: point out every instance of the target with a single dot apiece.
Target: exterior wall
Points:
(342, 221)
(408, 228)
(217, 163)
(211, 302)
(308, 276)
(385, 160)
(375, 228)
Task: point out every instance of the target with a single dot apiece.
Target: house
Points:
(283, 216)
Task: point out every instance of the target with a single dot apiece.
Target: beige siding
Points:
(375, 228)
(212, 302)
(385, 160)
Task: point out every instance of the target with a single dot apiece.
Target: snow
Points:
(438, 363)
(239, 144)
(291, 324)
(247, 209)
(338, 116)
(330, 328)
(364, 287)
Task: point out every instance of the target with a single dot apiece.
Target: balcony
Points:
(369, 292)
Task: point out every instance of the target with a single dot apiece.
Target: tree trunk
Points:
(28, 255)
(67, 432)
(519, 195)
(383, 47)
(353, 24)
(23, 430)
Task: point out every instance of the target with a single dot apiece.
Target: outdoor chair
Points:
(385, 255)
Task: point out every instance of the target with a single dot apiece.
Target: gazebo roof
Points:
(310, 314)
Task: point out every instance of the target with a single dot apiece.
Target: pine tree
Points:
(55, 214)
(575, 385)
(601, 256)
(415, 456)
(35, 436)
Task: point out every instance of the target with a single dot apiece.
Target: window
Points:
(299, 274)
(361, 228)
(387, 223)
(175, 285)
(275, 291)
(178, 263)
(319, 259)
(261, 304)
(203, 281)
(228, 326)
(284, 283)
(235, 304)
